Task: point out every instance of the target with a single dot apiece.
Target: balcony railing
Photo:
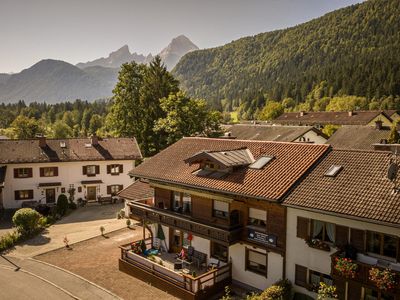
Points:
(182, 285)
(364, 265)
(169, 218)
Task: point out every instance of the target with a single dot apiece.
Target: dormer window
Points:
(211, 166)
(333, 170)
(261, 162)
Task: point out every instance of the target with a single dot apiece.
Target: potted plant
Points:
(383, 279)
(318, 244)
(326, 292)
(346, 267)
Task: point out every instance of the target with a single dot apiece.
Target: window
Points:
(256, 262)
(219, 251)
(317, 277)
(220, 209)
(48, 172)
(382, 244)
(23, 194)
(261, 162)
(323, 231)
(114, 189)
(79, 189)
(333, 170)
(370, 294)
(257, 217)
(177, 201)
(210, 165)
(91, 170)
(187, 204)
(185, 240)
(114, 169)
(22, 172)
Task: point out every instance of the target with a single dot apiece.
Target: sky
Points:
(82, 30)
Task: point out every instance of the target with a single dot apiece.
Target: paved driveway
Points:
(82, 224)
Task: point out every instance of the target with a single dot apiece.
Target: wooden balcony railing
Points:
(362, 273)
(169, 218)
(180, 284)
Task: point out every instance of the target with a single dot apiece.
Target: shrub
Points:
(26, 220)
(281, 290)
(102, 229)
(122, 213)
(72, 205)
(128, 223)
(9, 240)
(62, 204)
(118, 215)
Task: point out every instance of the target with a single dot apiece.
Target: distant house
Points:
(3, 137)
(322, 118)
(39, 170)
(347, 206)
(393, 114)
(278, 133)
(359, 137)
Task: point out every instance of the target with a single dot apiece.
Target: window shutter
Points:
(357, 239)
(108, 169)
(109, 189)
(30, 173)
(55, 171)
(97, 169)
(41, 171)
(300, 277)
(84, 170)
(16, 194)
(121, 168)
(302, 227)
(120, 187)
(342, 235)
(30, 194)
(15, 173)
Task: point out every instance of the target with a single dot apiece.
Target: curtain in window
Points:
(330, 231)
(317, 228)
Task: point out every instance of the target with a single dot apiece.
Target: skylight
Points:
(333, 170)
(261, 162)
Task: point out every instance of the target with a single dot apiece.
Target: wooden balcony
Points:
(181, 285)
(166, 217)
(362, 273)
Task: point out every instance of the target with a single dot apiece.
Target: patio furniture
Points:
(199, 259)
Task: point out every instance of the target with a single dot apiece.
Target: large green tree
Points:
(25, 128)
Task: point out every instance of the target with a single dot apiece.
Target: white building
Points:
(41, 169)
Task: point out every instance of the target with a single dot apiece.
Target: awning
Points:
(91, 181)
(43, 184)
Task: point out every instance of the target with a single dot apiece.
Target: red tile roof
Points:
(291, 161)
(28, 151)
(139, 190)
(361, 189)
(328, 117)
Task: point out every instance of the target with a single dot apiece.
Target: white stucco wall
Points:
(68, 173)
(298, 252)
(312, 136)
(237, 253)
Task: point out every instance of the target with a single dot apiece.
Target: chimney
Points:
(350, 113)
(42, 141)
(378, 125)
(302, 113)
(94, 140)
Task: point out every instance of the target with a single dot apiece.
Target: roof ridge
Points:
(64, 139)
(361, 150)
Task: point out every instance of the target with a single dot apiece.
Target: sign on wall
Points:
(261, 237)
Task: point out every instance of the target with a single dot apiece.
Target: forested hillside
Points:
(354, 51)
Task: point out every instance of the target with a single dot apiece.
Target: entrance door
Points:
(50, 195)
(91, 193)
(176, 241)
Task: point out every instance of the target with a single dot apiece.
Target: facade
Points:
(260, 132)
(321, 118)
(220, 198)
(346, 208)
(39, 170)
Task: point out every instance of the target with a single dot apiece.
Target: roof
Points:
(230, 158)
(28, 151)
(358, 137)
(360, 190)
(390, 112)
(3, 170)
(291, 161)
(328, 117)
(138, 190)
(269, 132)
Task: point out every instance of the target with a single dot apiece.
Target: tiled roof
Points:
(358, 137)
(269, 132)
(230, 158)
(291, 161)
(138, 190)
(361, 189)
(328, 117)
(25, 151)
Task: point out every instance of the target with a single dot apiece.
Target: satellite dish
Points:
(392, 171)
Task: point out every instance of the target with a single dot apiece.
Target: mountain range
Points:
(54, 80)
(354, 50)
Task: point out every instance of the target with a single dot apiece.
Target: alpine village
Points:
(267, 168)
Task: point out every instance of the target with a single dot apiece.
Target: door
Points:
(1, 198)
(50, 195)
(176, 241)
(91, 193)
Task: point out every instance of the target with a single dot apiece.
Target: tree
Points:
(68, 119)
(187, 117)
(26, 220)
(394, 136)
(330, 129)
(96, 122)
(271, 111)
(87, 115)
(25, 128)
(60, 130)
